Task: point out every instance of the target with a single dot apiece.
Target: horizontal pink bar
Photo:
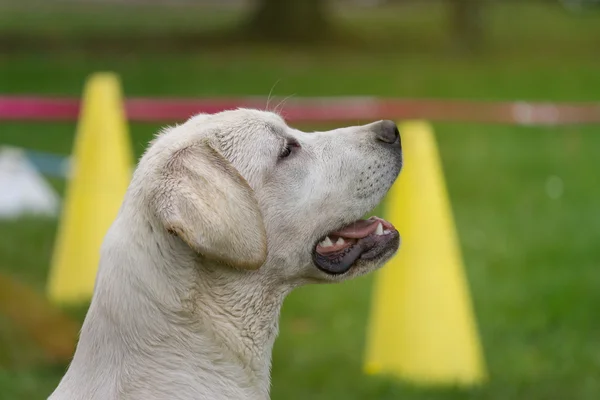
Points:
(356, 109)
(38, 108)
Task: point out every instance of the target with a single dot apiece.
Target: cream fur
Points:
(215, 230)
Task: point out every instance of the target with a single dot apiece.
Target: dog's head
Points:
(243, 189)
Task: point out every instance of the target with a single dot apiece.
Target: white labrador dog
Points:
(224, 216)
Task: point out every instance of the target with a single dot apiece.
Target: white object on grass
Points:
(23, 190)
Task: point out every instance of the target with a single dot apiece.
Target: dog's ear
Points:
(204, 200)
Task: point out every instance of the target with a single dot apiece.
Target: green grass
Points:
(69, 19)
(531, 260)
(530, 249)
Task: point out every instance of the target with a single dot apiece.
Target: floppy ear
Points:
(205, 201)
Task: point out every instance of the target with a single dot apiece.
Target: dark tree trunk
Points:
(290, 20)
(467, 24)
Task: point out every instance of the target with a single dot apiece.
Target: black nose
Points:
(387, 132)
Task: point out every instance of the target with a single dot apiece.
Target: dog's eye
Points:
(289, 147)
(286, 151)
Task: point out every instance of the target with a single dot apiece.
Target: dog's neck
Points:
(195, 327)
(241, 311)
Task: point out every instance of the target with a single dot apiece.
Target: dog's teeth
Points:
(387, 232)
(340, 241)
(379, 231)
(326, 242)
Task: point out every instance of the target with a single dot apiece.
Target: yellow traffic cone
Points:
(422, 327)
(100, 174)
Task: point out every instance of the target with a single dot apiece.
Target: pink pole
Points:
(317, 110)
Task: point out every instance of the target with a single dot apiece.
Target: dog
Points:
(226, 214)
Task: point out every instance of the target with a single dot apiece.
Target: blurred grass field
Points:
(524, 198)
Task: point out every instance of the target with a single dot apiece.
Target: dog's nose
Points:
(387, 132)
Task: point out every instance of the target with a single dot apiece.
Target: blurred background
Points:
(524, 197)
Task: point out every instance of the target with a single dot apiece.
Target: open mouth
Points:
(363, 239)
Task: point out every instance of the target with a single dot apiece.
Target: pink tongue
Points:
(358, 229)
